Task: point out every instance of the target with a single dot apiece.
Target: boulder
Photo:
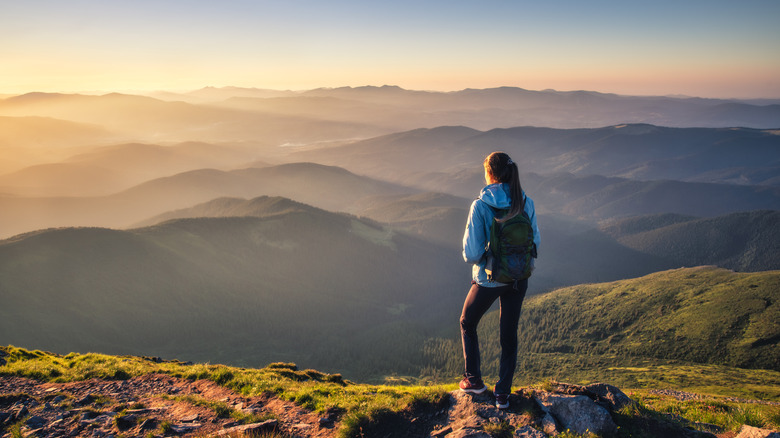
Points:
(529, 432)
(249, 429)
(614, 397)
(577, 413)
(469, 433)
(35, 422)
(754, 432)
(548, 424)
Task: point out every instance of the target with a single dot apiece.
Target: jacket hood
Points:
(496, 195)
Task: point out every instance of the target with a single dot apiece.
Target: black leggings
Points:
(476, 305)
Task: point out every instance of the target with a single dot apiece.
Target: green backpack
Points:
(512, 248)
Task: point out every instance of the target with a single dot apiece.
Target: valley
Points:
(245, 226)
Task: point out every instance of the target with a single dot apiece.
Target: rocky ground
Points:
(158, 405)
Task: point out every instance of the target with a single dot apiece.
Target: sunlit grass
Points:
(319, 392)
(709, 411)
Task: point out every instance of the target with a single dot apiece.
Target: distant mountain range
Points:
(104, 170)
(234, 207)
(326, 187)
(639, 152)
(146, 119)
(272, 118)
(504, 107)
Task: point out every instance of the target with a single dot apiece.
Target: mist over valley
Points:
(323, 227)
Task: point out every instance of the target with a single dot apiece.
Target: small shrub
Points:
(336, 378)
(166, 427)
(352, 425)
(306, 401)
(222, 410)
(749, 416)
(548, 385)
(222, 376)
(124, 422)
(199, 375)
(121, 375)
(499, 430)
(282, 366)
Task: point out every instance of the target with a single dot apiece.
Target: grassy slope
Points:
(695, 328)
(308, 388)
(702, 315)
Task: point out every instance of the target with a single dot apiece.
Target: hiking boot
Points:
(472, 385)
(502, 401)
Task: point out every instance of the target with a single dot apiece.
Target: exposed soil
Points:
(163, 406)
(158, 404)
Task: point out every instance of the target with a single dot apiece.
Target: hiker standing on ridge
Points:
(502, 199)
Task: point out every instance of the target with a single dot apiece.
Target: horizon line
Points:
(148, 92)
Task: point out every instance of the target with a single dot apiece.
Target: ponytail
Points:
(502, 169)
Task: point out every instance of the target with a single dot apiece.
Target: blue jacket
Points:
(477, 235)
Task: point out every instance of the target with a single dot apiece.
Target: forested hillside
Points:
(328, 290)
(747, 241)
(701, 315)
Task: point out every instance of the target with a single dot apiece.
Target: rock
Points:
(189, 418)
(27, 433)
(20, 413)
(88, 415)
(35, 422)
(529, 432)
(616, 398)
(754, 432)
(124, 422)
(438, 433)
(578, 413)
(469, 433)
(86, 400)
(149, 423)
(180, 429)
(249, 429)
(548, 424)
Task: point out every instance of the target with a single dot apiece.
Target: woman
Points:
(503, 191)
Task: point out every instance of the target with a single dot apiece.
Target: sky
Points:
(705, 48)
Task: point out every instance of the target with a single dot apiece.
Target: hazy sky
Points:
(709, 48)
